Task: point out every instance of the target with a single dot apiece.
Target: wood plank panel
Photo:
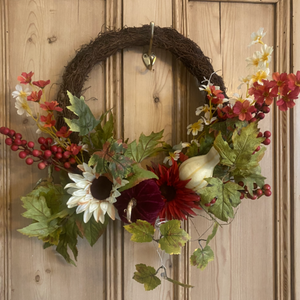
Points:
(244, 255)
(148, 106)
(296, 159)
(44, 42)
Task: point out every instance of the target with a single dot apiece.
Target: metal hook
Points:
(150, 58)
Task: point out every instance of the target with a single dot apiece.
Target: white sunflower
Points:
(93, 195)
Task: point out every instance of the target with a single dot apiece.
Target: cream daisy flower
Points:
(265, 56)
(93, 195)
(206, 109)
(175, 155)
(20, 93)
(22, 107)
(259, 76)
(256, 37)
(195, 128)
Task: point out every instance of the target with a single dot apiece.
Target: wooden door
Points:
(253, 255)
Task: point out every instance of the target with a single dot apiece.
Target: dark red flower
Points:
(281, 81)
(41, 83)
(216, 97)
(50, 106)
(146, 199)
(74, 149)
(264, 93)
(288, 97)
(25, 78)
(48, 120)
(294, 80)
(179, 201)
(244, 110)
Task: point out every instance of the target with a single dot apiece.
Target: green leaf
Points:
(139, 175)
(142, 231)
(173, 237)
(227, 155)
(212, 235)
(201, 257)
(39, 229)
(91, 230)
(147, 276)
(227, 195)
(146, 147)
(111, 159)
(86, 121)
(68, 239)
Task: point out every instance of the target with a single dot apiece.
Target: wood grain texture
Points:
(5, 271)
(295, 160)
(244, 255)
(283, 168)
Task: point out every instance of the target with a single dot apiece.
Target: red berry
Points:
(259, 134)
(242, 196)
(259, 192)
(49, 141)
(41, 165)
(59, 150)
(72, 160)
(253, 120)
(254, 197)
(257, 149)
(267, 134)
(14, 147)
(22, 154)
(30, 144)
(36, 152)
(261, 116)
(58, 155)
(67, 165)
(29, 161)
(24, 142)
(66, 154)
(56, 168)
(8, 141)
(5, 131)
(1, 129)
(267, 142)
(266, 109)
(54, 148)
(42, 140)
(255, 185)
(12, 133)
(268, 193)
(43, 147)
(18, 136)
(207, 204)
(266, 187)
(241, 183)
(213, 201)
(47, 153)
(17, 142)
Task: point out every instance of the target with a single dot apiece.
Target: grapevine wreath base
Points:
(101, 177)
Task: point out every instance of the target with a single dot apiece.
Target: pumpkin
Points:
(197, 168)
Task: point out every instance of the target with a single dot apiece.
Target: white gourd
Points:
(199, 167)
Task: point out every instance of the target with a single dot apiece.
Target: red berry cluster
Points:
(257, 191)
(267, 134)
(47, 155)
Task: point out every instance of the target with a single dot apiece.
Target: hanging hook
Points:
(150, 58)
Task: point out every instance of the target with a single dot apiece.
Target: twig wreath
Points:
(101, 177)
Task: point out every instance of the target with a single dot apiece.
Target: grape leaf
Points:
(91, 230)
(142, 231)
(111, 159)
(86, 121)
(227, 155)
(147, 276)
(227, 195)
(68, 238)
(139, 175)
(251, 177)
(173, 237)
(146, 147)
(201, 257)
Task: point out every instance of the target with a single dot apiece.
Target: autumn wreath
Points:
(101, 177)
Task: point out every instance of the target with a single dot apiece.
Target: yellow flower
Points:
(195, 128)
(256, 37)
(259, 76)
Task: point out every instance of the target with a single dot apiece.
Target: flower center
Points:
(101, 188)
(169, 192)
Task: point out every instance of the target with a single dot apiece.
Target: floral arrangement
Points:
(101, 177)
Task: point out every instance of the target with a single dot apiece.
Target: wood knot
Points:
(48, 271)
(37, 278)
(52, 39)
(156, 99)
